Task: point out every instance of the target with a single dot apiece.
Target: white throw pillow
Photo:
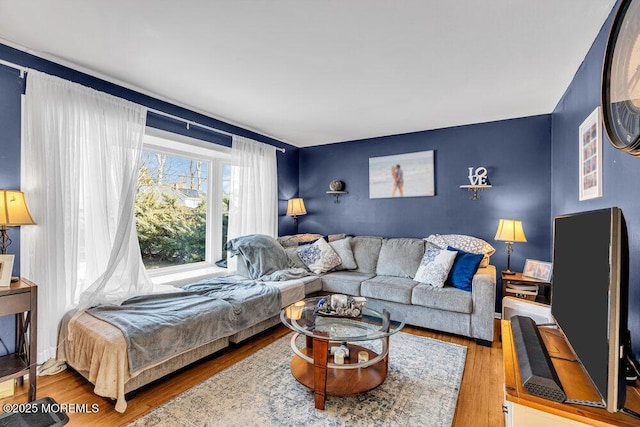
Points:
(319, 256)
(435, 266)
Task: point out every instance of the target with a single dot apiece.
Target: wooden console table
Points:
(21, 299)
(524, 409)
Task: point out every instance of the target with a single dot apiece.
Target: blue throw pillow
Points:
(463, 269)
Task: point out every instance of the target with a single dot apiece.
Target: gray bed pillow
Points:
(344, 251)
(263, 254)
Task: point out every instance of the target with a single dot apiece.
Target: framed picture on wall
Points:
(538, 270)
(402, 175)
(6, 267)
(590, 160)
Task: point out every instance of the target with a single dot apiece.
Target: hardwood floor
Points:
(479, 402)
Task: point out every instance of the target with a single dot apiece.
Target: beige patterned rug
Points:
(421, 389)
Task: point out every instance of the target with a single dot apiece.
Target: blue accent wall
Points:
(516, 153)
(621, 171)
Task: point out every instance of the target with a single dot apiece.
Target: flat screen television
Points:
(589, 295)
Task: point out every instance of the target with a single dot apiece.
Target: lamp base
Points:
(14, 279)
(508, 272)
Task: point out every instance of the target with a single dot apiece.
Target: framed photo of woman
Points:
(402, 175)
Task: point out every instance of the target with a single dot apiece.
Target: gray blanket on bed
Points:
(159, 326)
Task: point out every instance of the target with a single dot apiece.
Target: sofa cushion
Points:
(319, 256)
(344, 282)
(447, 298)
(366, 251)
(388, 288)
(463, 269)
(400, 257)
(470, 244)
(343, 249)
(435, 266)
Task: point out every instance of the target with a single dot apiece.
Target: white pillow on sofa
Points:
(435, 266)
(319, 256)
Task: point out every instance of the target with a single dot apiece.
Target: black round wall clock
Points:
(621, 79)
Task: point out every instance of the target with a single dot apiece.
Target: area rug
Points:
(421, 389)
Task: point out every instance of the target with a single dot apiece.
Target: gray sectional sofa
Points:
(380, 269)
(384, 272)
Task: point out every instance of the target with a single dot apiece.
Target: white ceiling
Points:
(315, 72)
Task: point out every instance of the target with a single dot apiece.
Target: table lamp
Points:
(13, 212)
(510, 231)
(296, 207)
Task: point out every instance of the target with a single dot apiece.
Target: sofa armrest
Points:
(483, 294)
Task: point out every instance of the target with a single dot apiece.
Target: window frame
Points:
(216, 156)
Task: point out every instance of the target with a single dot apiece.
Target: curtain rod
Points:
(16, 66)
(191, 122)
(153, 110)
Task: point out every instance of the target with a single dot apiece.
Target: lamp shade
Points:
(510, 230)
(13, 209)
(296, 207)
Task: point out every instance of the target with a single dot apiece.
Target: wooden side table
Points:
(544, 288)
(21, 299)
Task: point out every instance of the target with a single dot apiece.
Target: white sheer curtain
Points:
(253, 199)
(80, 167)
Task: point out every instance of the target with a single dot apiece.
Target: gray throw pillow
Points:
(343, 249)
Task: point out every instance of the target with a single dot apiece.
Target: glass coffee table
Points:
(314, 367)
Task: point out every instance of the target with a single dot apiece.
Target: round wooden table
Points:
(313, 366)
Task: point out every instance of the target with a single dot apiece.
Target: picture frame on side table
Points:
(590, 156)
(6, 267)
(540, 270)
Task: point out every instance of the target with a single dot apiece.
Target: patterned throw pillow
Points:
(469, 244)
(292, 253)
(435, 266)
(319, 256)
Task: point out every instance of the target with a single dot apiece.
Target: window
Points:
(226, 189)
(181, 204)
